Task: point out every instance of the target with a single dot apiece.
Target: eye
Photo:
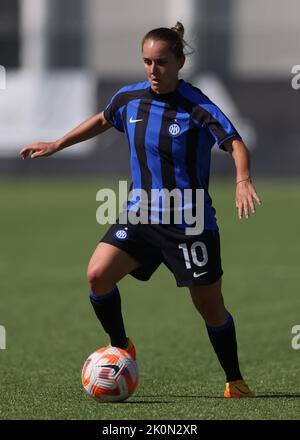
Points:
(147, 61)
(161, 62)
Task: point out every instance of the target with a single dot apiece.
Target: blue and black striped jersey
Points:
(170, 137)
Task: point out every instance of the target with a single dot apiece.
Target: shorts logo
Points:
(121, 234)
(197, 275)
(174, 129)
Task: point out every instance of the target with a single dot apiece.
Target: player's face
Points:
(161, 66)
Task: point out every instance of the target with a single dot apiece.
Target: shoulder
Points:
(126, 94)
(192, 93)
(131, 88)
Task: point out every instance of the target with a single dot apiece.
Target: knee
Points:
(93, 274)
(98, 281)
(213, 312)
(204, 305)
(208, 300)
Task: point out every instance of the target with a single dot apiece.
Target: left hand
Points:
(244, 198)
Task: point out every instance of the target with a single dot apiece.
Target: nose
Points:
(153, 68)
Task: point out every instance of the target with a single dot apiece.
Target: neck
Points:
(166, 91)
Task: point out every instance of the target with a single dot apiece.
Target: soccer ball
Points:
(109, 374)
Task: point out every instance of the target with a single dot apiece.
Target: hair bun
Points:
(179, 29)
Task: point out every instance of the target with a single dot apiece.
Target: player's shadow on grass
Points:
(258, 396)
(163, 399)
(278, 395)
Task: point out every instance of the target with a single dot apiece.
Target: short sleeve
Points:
(205, 114)
(218, 124)
(113, 113)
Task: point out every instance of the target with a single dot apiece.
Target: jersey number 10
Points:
(193, 253)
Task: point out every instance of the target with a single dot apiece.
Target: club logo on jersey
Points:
(121, 234)
(174, 129)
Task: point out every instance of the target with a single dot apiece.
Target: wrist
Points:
(245, 179)
(59, 145)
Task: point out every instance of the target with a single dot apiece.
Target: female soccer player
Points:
(171, 127)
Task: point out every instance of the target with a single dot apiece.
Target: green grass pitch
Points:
(48, 232)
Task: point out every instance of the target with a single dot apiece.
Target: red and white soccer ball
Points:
(110, 374)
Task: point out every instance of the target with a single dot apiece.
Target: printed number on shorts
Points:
(193, 253)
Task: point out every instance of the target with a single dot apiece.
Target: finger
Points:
(240, 210)
(246, 210)
(26, 148)
(257, 198)
(35, 154)
(24, 153)
(251, 204)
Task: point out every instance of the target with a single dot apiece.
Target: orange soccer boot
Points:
(130, 348)
(237, 389)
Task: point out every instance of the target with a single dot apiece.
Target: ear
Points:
(181, 62)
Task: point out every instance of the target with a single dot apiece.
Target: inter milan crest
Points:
(121, 234)
(174, 129)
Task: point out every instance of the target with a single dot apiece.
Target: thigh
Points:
(140, 244)
(111, 263)
(194, 260)
(209, 293)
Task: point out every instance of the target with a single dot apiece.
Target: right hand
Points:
(39, 149)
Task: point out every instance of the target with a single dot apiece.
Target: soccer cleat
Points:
(237, 389)
(130, 348)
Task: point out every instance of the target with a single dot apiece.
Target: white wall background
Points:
(266, 37)
(115, 30)
(37, 105)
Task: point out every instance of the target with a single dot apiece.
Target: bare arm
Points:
(245, 191)
(86, 130)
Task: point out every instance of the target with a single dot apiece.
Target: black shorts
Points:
(193, 259)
